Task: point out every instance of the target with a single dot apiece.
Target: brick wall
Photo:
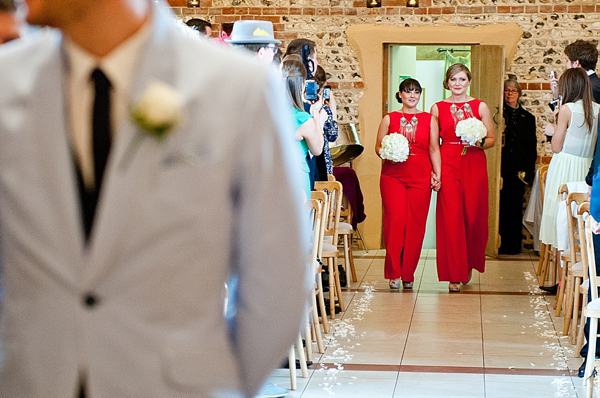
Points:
(548, 25)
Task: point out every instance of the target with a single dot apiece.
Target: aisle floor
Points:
(497, 338)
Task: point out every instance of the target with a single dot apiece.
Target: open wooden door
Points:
(487, 67)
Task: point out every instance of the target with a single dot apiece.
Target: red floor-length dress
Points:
(406, 192)
(462, 202)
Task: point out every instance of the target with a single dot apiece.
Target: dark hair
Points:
(295, 47)
(199, 24)
(453, 70)
(7, 6)
(227, 27)
(320, 76)
(407, 86)
(574, 85)
(586, 52)
(295, 74)
(254, 47)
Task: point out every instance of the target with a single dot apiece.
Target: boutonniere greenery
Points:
(157, 113)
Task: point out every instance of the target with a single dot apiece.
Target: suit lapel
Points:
(134, 158)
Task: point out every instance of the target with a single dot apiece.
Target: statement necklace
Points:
(408, 129)
(461, 112)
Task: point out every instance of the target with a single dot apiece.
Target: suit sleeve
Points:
(270, 236)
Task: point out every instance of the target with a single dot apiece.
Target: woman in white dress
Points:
(573, 143)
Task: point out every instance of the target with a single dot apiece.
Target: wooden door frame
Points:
(367, 41)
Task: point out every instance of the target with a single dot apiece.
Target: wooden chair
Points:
(330, 250)
(572, 260)
(582, 211)
(347, 232)
(313, 327)
(315, 211)
(592, 311)
(321, 197)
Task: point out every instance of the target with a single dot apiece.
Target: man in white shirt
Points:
(139, 168)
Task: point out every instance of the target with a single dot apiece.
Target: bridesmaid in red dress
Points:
(406, 186)
(462, 203)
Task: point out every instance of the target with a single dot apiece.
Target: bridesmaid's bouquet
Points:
(471, 130)
(394, 147)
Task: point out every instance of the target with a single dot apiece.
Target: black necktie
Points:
(101, 138)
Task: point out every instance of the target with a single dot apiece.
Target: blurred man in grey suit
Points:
(139, 167)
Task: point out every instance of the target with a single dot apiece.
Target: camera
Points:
(311, 91)
(326, 93)
(555, 103)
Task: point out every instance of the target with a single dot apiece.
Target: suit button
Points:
(91, 300)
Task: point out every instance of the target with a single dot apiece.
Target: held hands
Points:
(436, 182)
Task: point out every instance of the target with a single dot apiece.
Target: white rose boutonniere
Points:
(157, 113)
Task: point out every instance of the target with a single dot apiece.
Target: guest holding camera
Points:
(328, 121)
(308, 125)
(517, 167)
(573, 143)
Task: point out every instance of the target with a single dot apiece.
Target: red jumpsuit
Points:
(406, 192)
(462, 202)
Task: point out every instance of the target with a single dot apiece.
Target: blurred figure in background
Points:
(518, 167)
(257, 37)
(203, 27)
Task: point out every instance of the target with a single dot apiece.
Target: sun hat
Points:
(252, 32)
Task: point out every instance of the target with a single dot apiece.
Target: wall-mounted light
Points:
(412, 3)
(373, 3)
(193, 3)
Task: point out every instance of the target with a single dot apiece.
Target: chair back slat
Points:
(321, 197)
(575, 243)
(315, 210)
(583, 211)
(542, 177)
(591, 259)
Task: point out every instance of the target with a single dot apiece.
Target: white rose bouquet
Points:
(394, 147)
(471, 130)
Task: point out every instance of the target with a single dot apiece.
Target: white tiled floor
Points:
(497, 338)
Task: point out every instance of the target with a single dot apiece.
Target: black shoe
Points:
(286, 364)
(552, 290)
(581, 371)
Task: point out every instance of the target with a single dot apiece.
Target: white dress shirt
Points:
(118, 66)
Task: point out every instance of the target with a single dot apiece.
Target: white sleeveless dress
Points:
(570, 164)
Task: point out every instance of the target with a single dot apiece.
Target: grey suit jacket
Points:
(138, 311)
